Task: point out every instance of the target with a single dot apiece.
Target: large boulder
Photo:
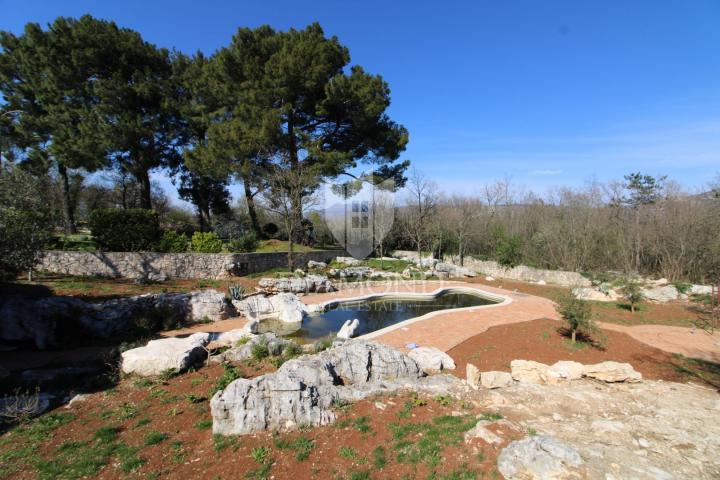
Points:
(286, 307)
(472, 376)
(662, 294)
(494, 379)
(564, 371)
(303, 390)
(351, 272)
(306, 284)
(313, 265)
(612, 372)
(347, 261)
(595, 295)
(528, 371)
(166, 354)
(432, 359)
(454, 270)
(540, 457)
(209, 305)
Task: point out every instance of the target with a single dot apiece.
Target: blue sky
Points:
(544, 92)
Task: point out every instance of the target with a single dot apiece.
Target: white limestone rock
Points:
(472, 376)
(481, 431)
(432, 359)
(662, 294)
(612, 372)
(540, 457)
(285, 307)
(165, 354)
(495, 379)
(303, 390)
(348, 329)
(528, 371)
(313, 265)
(564, 371)
(209, 304)
(594, 294)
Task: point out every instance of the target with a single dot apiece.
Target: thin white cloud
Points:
(546, 172)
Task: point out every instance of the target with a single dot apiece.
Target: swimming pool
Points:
(375, 314)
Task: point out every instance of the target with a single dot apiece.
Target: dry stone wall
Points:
(170, 265)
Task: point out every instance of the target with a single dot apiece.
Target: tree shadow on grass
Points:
(596, 340)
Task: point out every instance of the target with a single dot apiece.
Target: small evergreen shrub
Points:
(206, 242)
(578, 316)
(633, 294)
(247, 242)
(118, 230)
(173, 242)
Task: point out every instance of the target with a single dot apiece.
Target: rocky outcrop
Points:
(647, 431)
(472, 376)
(495, 379)
(348, 329)
(528, 371)
(242, 349)
(431, 359)
(595, 295)
(35, 319)
(348, 261)
(454, 271)
(661, 294)
(313, 265)
(540, 457)
(351, 272)
(612, 372)
(304, 390)
(158, 356)
(306, 284)
(286, 307)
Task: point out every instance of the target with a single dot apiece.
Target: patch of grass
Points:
(154, 437)
(362, 424)
(491, 416)
(128, 410)
(302, 446)
(260, 350)
(462, 473)
(107, 434)
(576, 346)
(424, 442)
(230, 375)
(222, 442)
(261, 456)
(348, 452)
(532, 432)
(444, 400)
(195, 398)
(379, 457)
(204, 424)
(142, 422)
(359, 475)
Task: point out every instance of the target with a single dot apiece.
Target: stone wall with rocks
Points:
(521, 272)
(160, 266)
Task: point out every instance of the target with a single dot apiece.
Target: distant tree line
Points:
(278, 112)
(641, 224)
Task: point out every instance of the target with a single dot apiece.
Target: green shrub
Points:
(206, 242)
(578, 315)
(508, 251)
(173, 242)
(682, 287)
(633, 294)
(132, 230)
(247, 242)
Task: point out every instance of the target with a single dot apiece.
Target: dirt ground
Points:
(545, 341)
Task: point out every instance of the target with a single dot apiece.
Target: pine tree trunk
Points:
(67, 205)
(252, 211)
(145, 196)
(574, 332)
